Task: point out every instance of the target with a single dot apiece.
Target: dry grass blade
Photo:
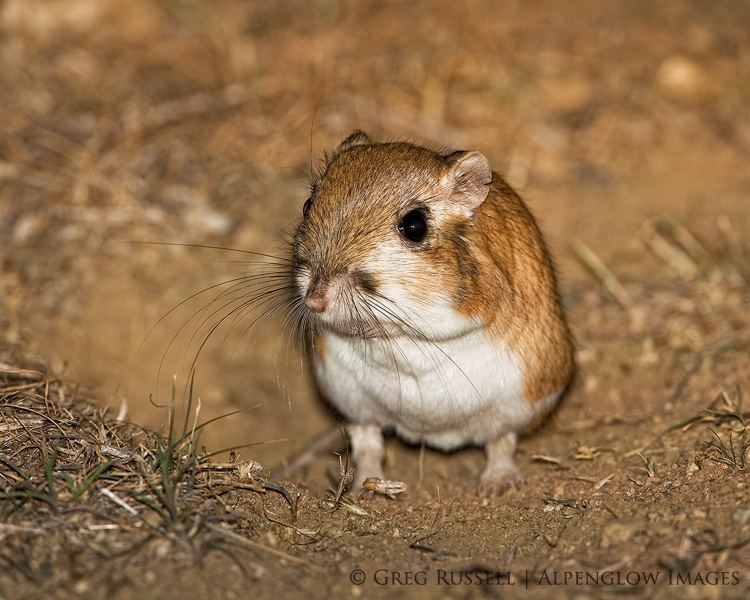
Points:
(721, 409)
(605, 276)
(676, 246)
(546, 458)
(733, 452)
(119, 501)
(649, 464)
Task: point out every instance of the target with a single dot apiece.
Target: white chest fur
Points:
(467, 390)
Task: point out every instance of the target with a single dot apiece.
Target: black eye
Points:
(413, 226)
(306, 207)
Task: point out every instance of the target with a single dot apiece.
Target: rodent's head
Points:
(376, 251)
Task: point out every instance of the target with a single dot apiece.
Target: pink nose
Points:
(315, 299)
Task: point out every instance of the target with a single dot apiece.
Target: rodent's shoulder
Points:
(507, 232)
(504, 270)
(505, 211)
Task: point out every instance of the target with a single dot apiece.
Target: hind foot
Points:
(501, 474)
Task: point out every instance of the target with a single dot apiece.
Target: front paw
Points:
(497, 482)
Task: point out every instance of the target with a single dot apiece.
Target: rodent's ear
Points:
(356, 138)
(469, 176)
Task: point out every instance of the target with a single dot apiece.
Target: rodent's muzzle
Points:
(316, 297)
(341, 300)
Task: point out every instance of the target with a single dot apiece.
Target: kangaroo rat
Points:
(434, 304)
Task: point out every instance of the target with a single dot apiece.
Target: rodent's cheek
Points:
(404, 275)
(414, 291)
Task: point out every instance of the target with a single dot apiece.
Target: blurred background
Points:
(198, 122)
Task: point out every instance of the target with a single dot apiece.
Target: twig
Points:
(606, 277)
(119, 501)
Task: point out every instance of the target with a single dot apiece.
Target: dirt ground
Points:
(625, 125)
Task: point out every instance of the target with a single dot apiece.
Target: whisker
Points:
(453, 362)
(211, 247)
(288, 290)
(185, 324)
(287, 331)
(421, 336)
(208, 335)
(185, 301)
(390, 349)
(243, 294)
(419, 344)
